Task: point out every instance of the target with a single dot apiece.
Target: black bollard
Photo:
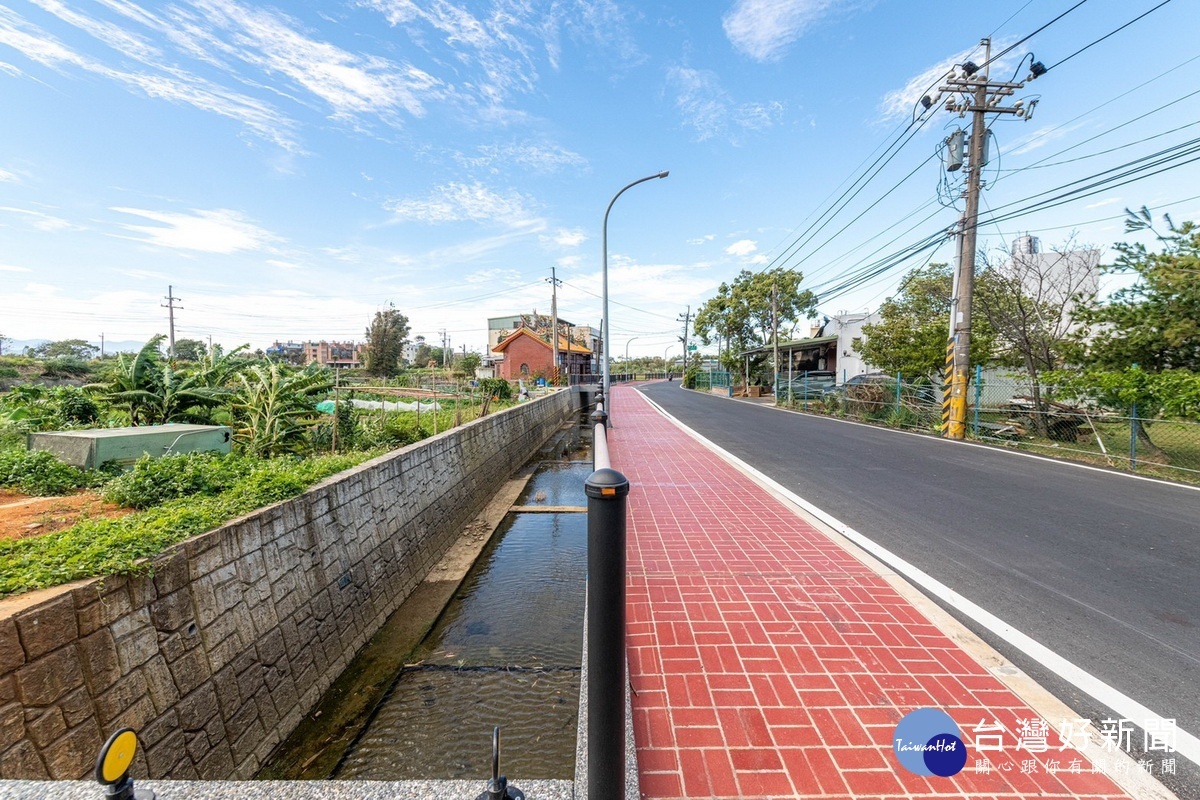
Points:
(607, 491)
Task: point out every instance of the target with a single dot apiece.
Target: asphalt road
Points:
(1102, 568)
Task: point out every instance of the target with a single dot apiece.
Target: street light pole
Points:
(604, 283)
(627, 354)
(666, 350)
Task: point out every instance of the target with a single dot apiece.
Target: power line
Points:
(1029, 36)
(1105, 36)
(1040, 163)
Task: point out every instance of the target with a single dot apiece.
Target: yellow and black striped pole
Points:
(959, 366)
(947, 383)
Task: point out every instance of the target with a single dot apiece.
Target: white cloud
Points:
(708, 237)
(706, 106)
(743, 247)
(13, 268)
(274, 262)
(570, 262)
(349, 83)
(456, 202)
(218, 231)
(499, 43)
(172, 84)
(41, 220)
(762, 29)
(495, 276)
(759, 259)
(1041, 137)
(8, 177)
(1107, 202)
(541, 158)
(570, 238)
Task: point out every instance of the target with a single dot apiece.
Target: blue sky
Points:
(290, 168)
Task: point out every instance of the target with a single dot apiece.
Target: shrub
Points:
(9, 372)
(154, 481)
(116, 546)
(65, 367)
(39, 473)
(497, 388)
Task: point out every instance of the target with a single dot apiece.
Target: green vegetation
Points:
(282, 442)
(745, 314)
(383, 354)
(497, 388)
(41, 474)
(115, 546)
(910, 338)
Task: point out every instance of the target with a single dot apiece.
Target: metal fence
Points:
(1003, 410)
(708, 380)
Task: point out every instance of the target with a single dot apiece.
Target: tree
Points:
(1029, 300)
(910, 338)
(275, 407)
(4, 342)
(469, 363)
(72, 348)
(423, 353)
(152, 391)
(743, 316)
(384, 351)
(190, 350)
(1154, 323)
(1142, 344)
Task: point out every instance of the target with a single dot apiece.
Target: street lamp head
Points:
(664, 173)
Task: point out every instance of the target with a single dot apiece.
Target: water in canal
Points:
(506, 651)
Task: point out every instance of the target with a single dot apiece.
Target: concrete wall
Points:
(215, 658)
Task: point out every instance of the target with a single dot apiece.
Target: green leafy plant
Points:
(39, 473)
(154, 481)
(118, 546)
(497, 388)
(274, 408)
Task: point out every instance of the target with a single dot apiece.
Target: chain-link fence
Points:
(1007, 411)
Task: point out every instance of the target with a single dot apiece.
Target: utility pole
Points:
(444, 336)
(210, 352)
(170, 306)
(775, 330)
(979, 96)
(686, 319)
(554, 284)
(102, 344)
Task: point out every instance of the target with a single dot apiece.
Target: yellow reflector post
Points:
(117, 756)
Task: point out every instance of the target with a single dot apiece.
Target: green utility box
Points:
(91, 448)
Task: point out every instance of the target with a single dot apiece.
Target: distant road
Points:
(1102, 568)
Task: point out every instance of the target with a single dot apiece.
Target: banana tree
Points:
(275, 408)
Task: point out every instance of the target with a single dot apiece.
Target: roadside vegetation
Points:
(1112, 380)
(292, 427)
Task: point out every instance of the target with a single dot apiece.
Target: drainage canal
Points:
(505, 651)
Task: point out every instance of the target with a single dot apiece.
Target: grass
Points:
(97, 547)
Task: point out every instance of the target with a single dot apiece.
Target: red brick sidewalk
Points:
(767, 661)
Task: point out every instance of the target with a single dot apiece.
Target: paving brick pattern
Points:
(767, 661)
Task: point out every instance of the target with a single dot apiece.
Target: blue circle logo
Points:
(927, 742)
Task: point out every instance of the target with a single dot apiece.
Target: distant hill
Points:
(17, 346)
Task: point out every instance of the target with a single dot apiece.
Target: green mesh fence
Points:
(1008, 411)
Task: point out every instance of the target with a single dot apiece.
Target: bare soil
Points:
(22, 516)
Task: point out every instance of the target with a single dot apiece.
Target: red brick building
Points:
(528, 356)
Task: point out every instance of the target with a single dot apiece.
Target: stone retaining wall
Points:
(216, 658)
